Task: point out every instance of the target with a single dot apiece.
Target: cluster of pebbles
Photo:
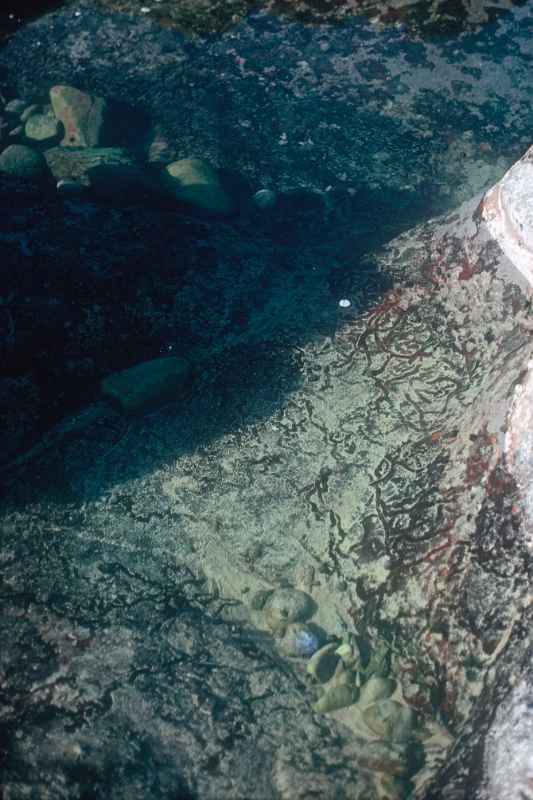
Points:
(69, 139)
(359, 691)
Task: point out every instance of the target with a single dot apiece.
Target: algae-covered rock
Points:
(16, 106)
(42, 128)
(324, 662)
(105, 169)
(375, 689)
(335, 698)
(23, 162)
(389, 720)
(146, 385)
(287, 605)
(82, 115)
(193, 181)
(259, 599)
(29, 111)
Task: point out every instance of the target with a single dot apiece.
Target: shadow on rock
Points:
(120, 285)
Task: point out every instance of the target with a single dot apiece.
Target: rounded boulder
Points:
(23, 162)
(194, 182)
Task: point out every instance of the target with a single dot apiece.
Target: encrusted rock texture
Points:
(150, 695)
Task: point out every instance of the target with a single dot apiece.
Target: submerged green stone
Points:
(108, 169)
(147, 385)
(42, 127)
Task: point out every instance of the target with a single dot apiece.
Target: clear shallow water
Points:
(312, 451)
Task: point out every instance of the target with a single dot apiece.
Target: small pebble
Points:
(15, 106)
(43, 128)
(265, 199)
(323, 663)
(299, 641)
(344, 303)
(29, 111)
(70, 187)
(23, 162)
(287, 605)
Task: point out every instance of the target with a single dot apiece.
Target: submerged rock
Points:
(29, 111)
(193, 181)
(82, 115)
(323, 664)
(146, 385)
(299, 641)
(15, 106)
(165, 733)
(68, 187)
(287, 605)
(376, 689)
(335, 698)
(23, 162)
(42, 128)
(110, 170)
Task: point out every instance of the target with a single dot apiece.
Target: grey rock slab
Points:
(265, 199)
(70, 187)
(300, 640)
(105, 169)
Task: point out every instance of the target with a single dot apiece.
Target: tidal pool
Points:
(298, 578)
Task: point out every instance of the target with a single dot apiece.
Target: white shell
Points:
(265, 198)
